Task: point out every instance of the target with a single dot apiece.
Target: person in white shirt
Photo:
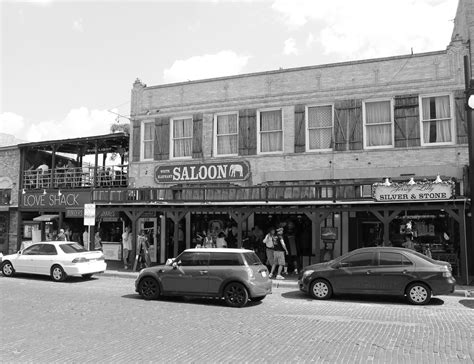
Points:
(269, 242)
(126, 247)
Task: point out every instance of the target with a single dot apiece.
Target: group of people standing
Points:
(276, 250)
(143, 249)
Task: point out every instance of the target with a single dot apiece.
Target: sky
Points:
(67, 67)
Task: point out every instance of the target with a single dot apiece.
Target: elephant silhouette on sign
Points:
(236, 168)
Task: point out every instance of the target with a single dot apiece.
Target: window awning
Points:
(45, 218)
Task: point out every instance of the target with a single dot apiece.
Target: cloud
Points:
(372, 28)
(77, 123)
(290, 47)
(38, 2)
(224, 63)
(309, 40)
(77, 25)
(11, 123)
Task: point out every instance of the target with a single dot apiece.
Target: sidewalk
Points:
(290, 281)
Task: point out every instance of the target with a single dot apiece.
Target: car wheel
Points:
(320, 289)
(259, 298)
(87, 276)
(149, 288)
(7, 269)
(236, 295)
(57, 273)
(418, 294)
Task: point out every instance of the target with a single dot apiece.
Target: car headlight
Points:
(307, 273)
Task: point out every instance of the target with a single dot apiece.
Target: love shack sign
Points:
(203, 172)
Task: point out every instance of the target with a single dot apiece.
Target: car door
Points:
(354, 274)
(46, 255)
(189, 276)
(26, 261)
(393, 273)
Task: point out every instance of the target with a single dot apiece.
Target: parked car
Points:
(57, 259)
(379, 270)
(236, 275)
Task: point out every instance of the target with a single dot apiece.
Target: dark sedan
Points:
(379, 270)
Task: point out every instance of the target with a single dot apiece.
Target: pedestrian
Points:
(409, 243)
(61, 236)
(97, 241)
(269, 242)
(143, 247)
(85, 238)
(126, 247)
(220, 240)
(279, 254)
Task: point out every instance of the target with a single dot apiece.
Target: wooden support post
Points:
(316, 217)
(134, 216)
(386, 219)
(176, 218)
(239, 217)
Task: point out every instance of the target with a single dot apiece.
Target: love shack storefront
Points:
(44, 212)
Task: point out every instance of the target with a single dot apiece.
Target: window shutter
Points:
(136, 142)
(300, 129)
(461, 122)
(197, 135)
(252, 131)
(243, 132)
(157, 153)
(348, 125)
(165, 138)
(407, 121)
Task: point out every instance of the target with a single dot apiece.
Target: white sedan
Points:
(57, 259)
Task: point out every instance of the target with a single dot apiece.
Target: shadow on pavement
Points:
(34, 277)
(191, 300)
(467, 303)
(361, 299)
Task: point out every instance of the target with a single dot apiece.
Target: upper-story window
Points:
(182, 138)
(270, 129)
(319, 124)
(226, 141)
(148, 129)
(437, 125)
(378, 124)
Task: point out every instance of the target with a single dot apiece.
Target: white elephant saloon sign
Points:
(203, 172)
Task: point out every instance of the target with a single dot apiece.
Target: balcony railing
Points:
(309, 192)
(77, 177)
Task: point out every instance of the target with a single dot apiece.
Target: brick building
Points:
(9, 182)
(341, 155)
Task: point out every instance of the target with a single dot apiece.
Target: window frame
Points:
(214, 144)
(306, 125)
(392, 122)
(172, 120)
(452, 117)
(142, 141)
(259, 132)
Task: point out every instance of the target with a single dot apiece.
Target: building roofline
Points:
(75, 140)
(297, 69)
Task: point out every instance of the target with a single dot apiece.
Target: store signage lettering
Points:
(417, 192)
(54, 200)
(224, 171)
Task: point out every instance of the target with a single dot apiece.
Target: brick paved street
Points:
(103, 320)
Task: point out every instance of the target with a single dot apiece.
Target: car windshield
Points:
(252, 259)
(71, 248)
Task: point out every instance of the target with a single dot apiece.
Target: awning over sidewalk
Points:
(45, 218)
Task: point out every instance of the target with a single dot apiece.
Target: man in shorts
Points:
(279, 254)
(126, 247)
(269, 243)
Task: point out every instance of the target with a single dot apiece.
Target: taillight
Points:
(250, 273)
(80, 260)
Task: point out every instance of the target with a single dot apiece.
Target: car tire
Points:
(418, 294)
(149, 288)
(87, 276)
(7, 269)
(236, 295)
(320, 289)
(257, 299)
(57, 273)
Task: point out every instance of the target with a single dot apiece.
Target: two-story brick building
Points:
(341, 155)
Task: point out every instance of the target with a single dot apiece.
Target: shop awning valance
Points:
(45, 218)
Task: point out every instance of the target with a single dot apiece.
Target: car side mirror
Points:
(176, 264)
(19, 252)
(169, 261)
